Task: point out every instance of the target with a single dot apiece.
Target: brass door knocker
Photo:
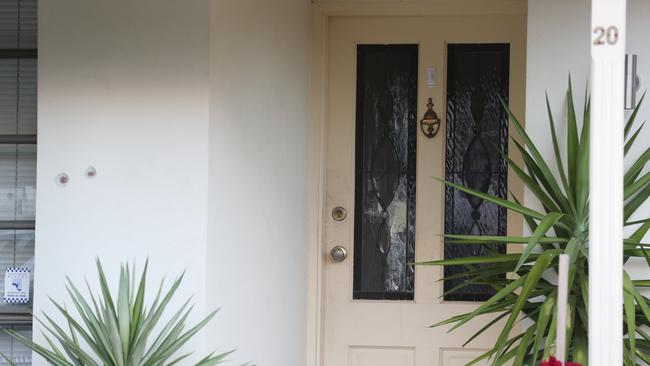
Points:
(430, 124)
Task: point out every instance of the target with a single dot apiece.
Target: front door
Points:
(384, 209)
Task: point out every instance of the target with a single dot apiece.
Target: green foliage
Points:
(120, 331)
(562, 227)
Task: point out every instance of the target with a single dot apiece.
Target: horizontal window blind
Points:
(17, 182)
(16, 250)
(18, 21)
(18, 128)
(18, 96)
(14, 350)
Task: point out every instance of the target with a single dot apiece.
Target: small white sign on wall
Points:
(17, 285)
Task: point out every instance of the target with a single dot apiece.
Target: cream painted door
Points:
(375, 332)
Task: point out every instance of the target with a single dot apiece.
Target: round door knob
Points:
(338, 254)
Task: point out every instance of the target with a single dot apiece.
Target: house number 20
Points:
(604, 35)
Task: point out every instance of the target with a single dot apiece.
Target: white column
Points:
(606, 183)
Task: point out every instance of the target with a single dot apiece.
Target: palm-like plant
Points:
(118, 333)
(521, 290)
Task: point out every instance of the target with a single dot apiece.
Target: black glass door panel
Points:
(384, 222)
(477, 129)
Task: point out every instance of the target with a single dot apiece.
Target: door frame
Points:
(321, 13)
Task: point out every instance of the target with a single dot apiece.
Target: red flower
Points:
(555, 362)
(551, 362)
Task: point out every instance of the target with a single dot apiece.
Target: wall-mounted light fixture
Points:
(631, 81)
(430, 123)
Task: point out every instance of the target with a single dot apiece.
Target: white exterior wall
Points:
(126, 86)
(257, 236)
(559, 34)
(123, 86)
(558, 46)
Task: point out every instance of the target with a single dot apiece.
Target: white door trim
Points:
(320, 19)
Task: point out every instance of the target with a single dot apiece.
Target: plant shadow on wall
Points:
(120, 331)
(519, 280)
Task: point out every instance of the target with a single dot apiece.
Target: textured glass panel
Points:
(17, 182)
(477, 129)
(18, 24)
(16, 250)
(14, 350)
(17, 96)
(384, 223)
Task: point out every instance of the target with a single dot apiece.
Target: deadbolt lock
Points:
(339, 213)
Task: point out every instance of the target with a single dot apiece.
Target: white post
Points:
(606, 183)
(562, 305)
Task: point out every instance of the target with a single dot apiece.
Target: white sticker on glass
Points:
(17, 285)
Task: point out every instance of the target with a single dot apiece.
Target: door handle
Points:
(338, 254)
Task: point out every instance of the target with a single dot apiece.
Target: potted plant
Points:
(520, 289)
(118, 330)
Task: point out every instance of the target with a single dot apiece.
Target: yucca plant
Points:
(521, 288)
(118, 331)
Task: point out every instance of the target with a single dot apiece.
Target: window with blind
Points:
(18, 63)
